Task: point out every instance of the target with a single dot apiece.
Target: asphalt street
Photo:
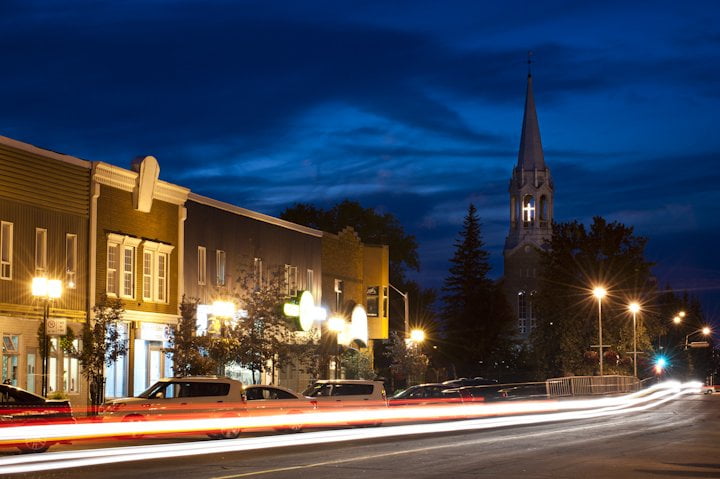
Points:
(678, 439)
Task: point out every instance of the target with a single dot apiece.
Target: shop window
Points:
(71, 368)
(10, 350)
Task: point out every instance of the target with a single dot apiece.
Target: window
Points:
(372, 294)
(220, 267)
(148, 260)
(202, 262)
(6, 250)
(40, 250)
(338, 294)
(528, 209)
(309, 279)
(531, 311)
(290, 280)
(155, 271)
(522, 305)
(10, 350)
(121, 265)
(258, 272)
(70, 371)
(70, 260)
(522, 326)
(112, 268)
(128, 272)
(384, 311)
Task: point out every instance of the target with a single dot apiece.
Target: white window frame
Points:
(220, 261)
(116, 286)
(258, 272)
(155, 278)
(6, 250)
(71, 370)
(40, 251)
(309, 279)
(111, 276)
(290, 281)
(71, 260)
(202, 265)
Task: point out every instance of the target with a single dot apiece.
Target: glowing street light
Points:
(705, 331)
(679, 317)
(600, 292)
(634, 308)
(46, 290)
(417, 336)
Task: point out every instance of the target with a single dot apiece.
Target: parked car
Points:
(424, 394)
(481, 393)
(266, 400)
(19, 407)
(183, 397)
(351, 393)
(460, 382)
(525, 391)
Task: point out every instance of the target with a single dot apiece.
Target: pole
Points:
(407, 310)
(337, 356)
(46, 347)
(635, 343)
(600, 334)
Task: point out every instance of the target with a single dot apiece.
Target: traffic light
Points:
(660, 365)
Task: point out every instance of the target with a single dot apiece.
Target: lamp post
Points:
(634, 308)
(336, 324)
(705, 331)
(407, 310)
(46, 290)
(599, 292)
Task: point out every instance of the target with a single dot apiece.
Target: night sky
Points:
(414, 108)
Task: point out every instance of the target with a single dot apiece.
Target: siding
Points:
(44, 182)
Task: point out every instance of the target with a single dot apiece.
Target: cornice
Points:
(43, 152)
(114, 176)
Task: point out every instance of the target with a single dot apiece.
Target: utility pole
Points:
(407, 310)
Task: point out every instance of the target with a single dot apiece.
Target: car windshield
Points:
(152, 390)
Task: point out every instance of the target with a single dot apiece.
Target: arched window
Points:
(544, 208)
(531, 310)
(528, 209)
(522, 305)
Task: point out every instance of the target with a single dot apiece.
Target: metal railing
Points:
(591, 385)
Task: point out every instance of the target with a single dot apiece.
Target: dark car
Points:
(422, 394)
(20, 408)
(525, 391)
(481, 393)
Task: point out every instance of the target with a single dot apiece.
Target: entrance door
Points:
(156, 362)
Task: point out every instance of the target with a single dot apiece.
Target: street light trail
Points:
(51, 461)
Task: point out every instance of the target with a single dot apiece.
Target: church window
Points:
(528, 209)
(531, 311)
(522, 305)
(544, 211)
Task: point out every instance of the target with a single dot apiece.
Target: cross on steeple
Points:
(529, 212)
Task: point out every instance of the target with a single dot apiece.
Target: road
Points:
(678, 439)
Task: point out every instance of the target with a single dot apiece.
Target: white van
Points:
(347, 392)
(184, 397)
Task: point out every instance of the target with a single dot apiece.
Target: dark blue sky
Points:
(411, 107)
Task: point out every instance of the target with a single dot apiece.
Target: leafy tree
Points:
(186, 347)
(575, 261)
(357, 364)
(408, 363)
(102, 345)
(476, 318)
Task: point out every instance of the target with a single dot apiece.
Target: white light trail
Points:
(515, 414)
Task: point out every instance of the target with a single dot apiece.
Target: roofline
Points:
(27, 147)
(253, 214)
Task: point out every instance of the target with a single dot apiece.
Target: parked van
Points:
(185, 397)
(347, 392)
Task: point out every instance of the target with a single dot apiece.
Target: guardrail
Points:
(591, 385)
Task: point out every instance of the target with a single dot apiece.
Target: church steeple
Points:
(530, 156)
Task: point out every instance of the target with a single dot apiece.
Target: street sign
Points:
(699, 344)
(56, 326)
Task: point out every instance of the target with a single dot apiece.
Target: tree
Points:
(408, 363)
(574, 262)
(186, 347)
(476, 319)
(102, 345)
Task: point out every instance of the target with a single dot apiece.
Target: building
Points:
(136, 246)
(44, 233)
(224, 244)
(531, 215)
(355, 288)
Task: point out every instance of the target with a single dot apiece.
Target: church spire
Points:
(531, 155)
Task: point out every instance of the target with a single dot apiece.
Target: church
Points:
(531, 216)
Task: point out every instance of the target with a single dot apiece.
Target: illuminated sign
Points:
(305, 310)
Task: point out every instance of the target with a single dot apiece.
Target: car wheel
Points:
(231, 432)
(295, 427)
(34, 446)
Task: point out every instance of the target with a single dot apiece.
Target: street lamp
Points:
(599, 292)
(407, 310)
(417, 336)
(46, 290)
(705, 331)
(336, 324)
(679, 317)
(634, 309)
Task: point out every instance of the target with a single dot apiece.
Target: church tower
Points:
(531, 215)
